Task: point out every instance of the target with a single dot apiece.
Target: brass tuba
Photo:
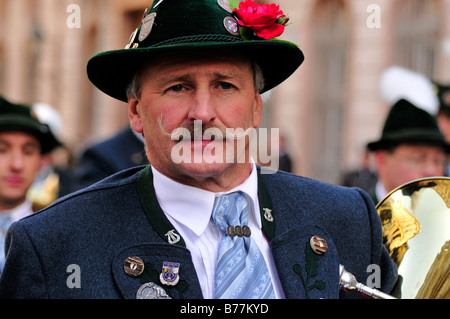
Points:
(415, 218)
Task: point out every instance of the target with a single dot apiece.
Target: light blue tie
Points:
(241, 270)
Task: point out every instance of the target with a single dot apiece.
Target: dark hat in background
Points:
(414, 106)
(191, 25)
(409, 124)
(20, 117)
(443, 93)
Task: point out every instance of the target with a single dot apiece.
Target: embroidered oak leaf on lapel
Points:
(312, 263)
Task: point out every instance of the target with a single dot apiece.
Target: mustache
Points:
(198, 131)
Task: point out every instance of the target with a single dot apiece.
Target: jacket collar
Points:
(303, 274)
(165, 229)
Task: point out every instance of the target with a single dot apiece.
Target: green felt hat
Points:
(19, 117)
(408, 124)
(191, 25)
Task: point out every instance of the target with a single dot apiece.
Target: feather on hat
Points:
(398, 83)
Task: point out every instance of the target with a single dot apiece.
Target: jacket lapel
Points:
(156, 270)
(166, 270)
(303, 273)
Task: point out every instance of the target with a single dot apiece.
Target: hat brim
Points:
(112, 71)
(420, 137)
(42, 132)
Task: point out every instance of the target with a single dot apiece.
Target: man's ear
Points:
(134, 115)
(257, 110)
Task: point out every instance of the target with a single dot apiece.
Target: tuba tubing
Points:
(415, 219)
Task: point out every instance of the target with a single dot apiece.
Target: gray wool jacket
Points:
(78, 247)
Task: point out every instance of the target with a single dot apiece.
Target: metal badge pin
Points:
(231, 25)
(169, 275)
(172, 237)
(146, 26)
(150, 290)
(318, 245)
(132, 37)
(224, 4)
(133, 266)
(268, 214)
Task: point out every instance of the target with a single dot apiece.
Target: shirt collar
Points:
(192, 206)
(19, 212)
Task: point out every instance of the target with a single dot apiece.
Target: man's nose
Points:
(202, 107)
(17, 160)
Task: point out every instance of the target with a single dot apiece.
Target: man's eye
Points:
(226, 85)
(176, 88)
(30, 150)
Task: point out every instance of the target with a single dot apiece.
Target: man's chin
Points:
(203, 168)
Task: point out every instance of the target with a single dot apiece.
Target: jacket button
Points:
(133, 266)
(318, 245)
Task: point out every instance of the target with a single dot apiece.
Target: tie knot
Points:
(230, 210)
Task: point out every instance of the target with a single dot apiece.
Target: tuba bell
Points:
(415, 220)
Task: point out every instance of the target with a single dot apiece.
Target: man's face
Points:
(192, 92)
(20, 161)
(409, 162)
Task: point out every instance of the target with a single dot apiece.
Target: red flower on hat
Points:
(266, 20)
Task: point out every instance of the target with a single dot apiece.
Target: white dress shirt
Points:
(380, 191)
(189, 210)
(6, 219)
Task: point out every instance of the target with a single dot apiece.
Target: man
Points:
(192, 76)
(411, 147)
(23, 142)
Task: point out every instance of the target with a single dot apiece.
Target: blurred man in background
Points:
(23, 143)
(411, 145)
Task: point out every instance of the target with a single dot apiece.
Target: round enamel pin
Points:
(133, 266)
(318, 245)
(231, 25)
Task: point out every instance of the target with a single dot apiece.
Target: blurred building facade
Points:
(327, 111)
